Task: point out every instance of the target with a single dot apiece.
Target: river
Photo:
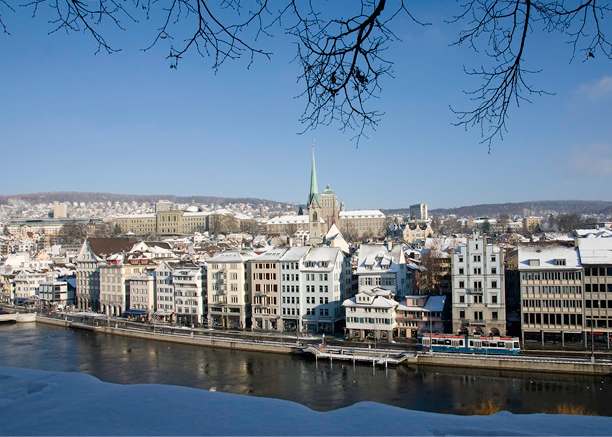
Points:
(322, 385)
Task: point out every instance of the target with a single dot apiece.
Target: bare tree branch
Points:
(342, 57)
(4, 29)
(504, 26)
(342, 64)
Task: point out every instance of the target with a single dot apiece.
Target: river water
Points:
(319, 385)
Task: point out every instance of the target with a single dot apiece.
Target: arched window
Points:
(314, 216)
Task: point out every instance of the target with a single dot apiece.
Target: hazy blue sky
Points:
(127, 123)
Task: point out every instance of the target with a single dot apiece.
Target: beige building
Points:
(531, 223)
(60, 210)
(139, 224)
(417, 231)
(229, 294)
(171, 221)
(287, 224)
(362, 224)
(115, 277)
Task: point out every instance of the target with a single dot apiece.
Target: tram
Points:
(469, 344)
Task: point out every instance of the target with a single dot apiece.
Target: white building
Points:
(55, 292)
(323, 276)
(371, 314)
(28, 281)
(164, 291)
(478, 293)
(292, 289)
(190, 294)
(142, 294)
(382, 266)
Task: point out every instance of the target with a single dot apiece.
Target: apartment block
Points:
(229, 294)
(265, 286)
(552, 298)
(477, 281)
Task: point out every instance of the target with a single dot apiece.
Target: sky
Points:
(73, 120)
(50, 403)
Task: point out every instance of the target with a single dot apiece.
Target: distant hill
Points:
(76, 196)
(539, 207)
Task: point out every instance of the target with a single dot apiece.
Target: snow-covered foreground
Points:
(35, 402)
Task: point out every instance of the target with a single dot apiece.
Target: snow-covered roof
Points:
(377, 258)
(270, 255)
(365, 213)
(547, 256)
(593, 233)
(295, 253)
(322, 254)
(141, 216)
(195, 213)
(595, 250)
(289, 219)
(232, 257)
(381, 299)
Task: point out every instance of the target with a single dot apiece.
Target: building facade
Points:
(229, 293)
(265, 286)
(478, 297)
(552, 298)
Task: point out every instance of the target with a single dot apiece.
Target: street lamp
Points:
(430, 329)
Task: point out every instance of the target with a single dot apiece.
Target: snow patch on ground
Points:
(36, 402)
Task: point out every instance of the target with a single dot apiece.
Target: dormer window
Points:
(534, 262)
(560, 262)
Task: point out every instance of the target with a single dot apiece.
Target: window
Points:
(476, 258)
(493, 284)
(494, 298)
(462, 314)
(461, 284)
(462, 298)
(461, 271)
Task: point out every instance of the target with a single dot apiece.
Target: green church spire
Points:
(313, 197)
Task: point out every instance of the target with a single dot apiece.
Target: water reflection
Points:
(319, 385)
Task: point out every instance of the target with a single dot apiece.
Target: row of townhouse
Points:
(283, 289)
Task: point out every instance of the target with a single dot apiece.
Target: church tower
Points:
(315, 210)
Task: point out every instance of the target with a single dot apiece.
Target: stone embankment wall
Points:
(183, 339)
(583, 368)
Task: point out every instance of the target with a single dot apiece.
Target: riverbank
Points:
(187, 337)
(579, 366)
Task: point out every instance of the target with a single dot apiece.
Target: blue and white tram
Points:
(469, 344)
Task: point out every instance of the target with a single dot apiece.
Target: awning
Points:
(135, 312)
(163, 313)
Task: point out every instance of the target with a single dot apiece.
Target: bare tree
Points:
(341, 53)
(504, 26)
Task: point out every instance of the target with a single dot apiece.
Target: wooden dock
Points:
(375, 356)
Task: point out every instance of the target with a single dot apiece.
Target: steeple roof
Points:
(313, 197)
